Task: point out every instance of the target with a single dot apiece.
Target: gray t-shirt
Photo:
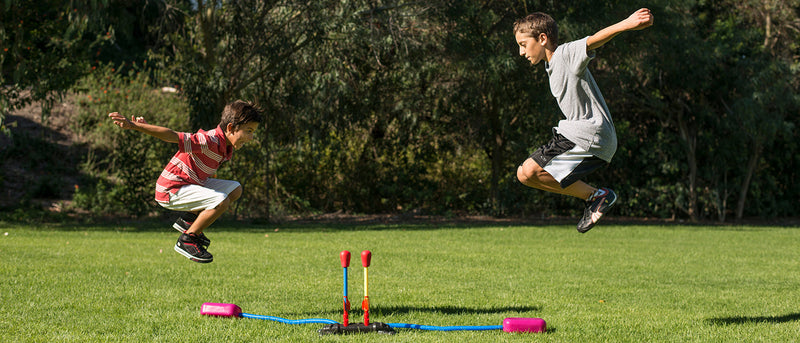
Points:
(588, 121)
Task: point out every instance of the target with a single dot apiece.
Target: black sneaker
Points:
(189, 247)
(182, 225)
(601, 202)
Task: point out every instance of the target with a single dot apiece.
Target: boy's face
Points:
(531, 48)
(240, 136)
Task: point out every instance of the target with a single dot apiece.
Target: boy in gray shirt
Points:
(586, 139)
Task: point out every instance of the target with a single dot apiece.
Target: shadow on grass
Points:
(392, 310)
(255, 226)
(335, 222)
(444, 310)
(398, 222)
(756, 319)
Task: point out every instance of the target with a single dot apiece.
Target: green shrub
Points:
(122, 166)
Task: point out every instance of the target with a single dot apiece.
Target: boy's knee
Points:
(232, 196)
(529, 173)
(526, 173)
(236, 194)
(224, 204)
(522, 176)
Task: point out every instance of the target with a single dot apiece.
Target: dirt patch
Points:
(342, 218)
(41, 158)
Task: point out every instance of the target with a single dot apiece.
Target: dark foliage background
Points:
(379, 106)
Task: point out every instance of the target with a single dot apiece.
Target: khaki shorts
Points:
(191, 198)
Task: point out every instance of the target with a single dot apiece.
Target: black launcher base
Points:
(339, 329)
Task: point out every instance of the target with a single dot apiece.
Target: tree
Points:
(502, 105)
(46, 47)
(771, 96)
(226, 47)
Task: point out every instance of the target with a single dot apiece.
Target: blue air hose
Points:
(445, 328)
(393, 325)
(509, 324)
(289, 321)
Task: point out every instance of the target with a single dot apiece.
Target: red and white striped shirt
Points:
(199, 156)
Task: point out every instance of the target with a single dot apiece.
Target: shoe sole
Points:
(597, 215)
(189, 256)
(595, 218)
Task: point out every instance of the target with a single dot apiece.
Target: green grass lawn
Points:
(613, 284)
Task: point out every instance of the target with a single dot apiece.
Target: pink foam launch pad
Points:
(524, 325)
(220, 310)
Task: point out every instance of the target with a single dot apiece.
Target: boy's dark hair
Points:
(538, 23)
(239, 113)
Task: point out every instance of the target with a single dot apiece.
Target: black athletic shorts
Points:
(565, 161)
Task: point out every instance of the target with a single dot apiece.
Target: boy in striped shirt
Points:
(186, 184)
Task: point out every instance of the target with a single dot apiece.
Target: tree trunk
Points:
(497, 170)
(752, 163)
(494, 149)
(690, 138)
(267, 174)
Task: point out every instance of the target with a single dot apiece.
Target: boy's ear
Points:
(542, 39)
(229, 128)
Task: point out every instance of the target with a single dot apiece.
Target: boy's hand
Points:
(139, 124)
(125, 123)
(639, 20)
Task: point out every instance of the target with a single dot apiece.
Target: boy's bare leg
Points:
(532, 175)
(207, 217)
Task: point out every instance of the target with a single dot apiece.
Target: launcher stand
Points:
(340, 329)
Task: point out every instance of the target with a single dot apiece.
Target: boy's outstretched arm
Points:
(139, 124)
(638, 20)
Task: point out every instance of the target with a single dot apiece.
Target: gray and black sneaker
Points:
(189, 247)
(182, 225)
(596, 207)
